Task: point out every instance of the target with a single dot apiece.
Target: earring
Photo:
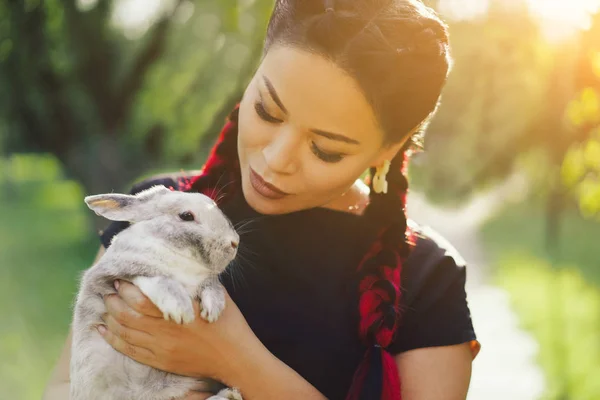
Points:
(380, 184)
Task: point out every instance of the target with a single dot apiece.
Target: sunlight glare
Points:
(561, 19)
(134, 17)
(86, 5)
(459, 10)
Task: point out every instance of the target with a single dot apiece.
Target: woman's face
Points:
(306, 133)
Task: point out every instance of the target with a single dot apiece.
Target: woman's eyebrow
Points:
(274, 95)
(335, 136)
(328, 135)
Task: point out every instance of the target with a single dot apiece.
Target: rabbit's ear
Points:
(116, 207)
(123, 207)
(151, 193)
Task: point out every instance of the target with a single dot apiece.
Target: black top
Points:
(295, 283)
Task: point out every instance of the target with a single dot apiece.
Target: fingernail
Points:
(117, 284)
(102, 329)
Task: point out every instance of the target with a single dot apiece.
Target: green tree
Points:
(112, 101)
(490, 106)
(581, 166)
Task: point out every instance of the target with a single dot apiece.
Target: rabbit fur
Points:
(174, 250)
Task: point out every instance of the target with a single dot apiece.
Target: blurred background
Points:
(96, 94)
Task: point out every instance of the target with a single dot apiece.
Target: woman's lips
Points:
(264, 188)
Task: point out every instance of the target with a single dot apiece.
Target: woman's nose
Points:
(281, 154)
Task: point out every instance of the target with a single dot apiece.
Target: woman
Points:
(338, 295)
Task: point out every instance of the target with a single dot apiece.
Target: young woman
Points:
(338, 295)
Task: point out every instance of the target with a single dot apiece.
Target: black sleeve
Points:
(434, 301)
(167, 180)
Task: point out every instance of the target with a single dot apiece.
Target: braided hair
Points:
(397, 52)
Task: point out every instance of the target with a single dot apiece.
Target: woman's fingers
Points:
(126, 334)
(135, 299)
(139, 354)
(120, 311)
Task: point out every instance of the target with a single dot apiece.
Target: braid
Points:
(222, 167)
(379, 286)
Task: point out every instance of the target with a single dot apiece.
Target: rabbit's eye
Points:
(187, 216)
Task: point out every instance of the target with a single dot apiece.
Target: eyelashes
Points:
(327, 157)
(322, 155)
(262, 113)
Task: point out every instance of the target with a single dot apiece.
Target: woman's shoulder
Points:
(433, 264)
(434, 300)
(431, 244)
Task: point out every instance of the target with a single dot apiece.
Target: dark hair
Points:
(397, 52)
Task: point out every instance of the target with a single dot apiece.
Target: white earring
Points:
(380, 184)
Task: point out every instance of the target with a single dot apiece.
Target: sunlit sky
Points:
(136, 16)
(559, 19)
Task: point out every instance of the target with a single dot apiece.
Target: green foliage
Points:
(489, 107)
(581, 172)
(111, 96)
(503, 111)
(561, 311)
(558, 300)
(46, 241)
(581, 165)
(585, 110)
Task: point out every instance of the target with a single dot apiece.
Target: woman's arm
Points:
(436, 373)
(59, 384)
(262, 376)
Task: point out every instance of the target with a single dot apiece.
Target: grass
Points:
(45, 241)
(557, 300)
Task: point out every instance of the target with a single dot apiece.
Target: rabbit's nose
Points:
(234, 244)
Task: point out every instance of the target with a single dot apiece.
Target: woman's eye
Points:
(187, 216)
(263, 114)
(327, 157)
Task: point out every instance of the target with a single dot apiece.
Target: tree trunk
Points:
(555, 206)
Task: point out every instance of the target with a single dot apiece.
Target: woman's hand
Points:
(226, 350)
(136, 328)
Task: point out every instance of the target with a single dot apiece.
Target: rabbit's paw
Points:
(227, 394)
(212, 302)
(169, 296)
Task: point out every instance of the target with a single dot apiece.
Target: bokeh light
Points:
(561, 19)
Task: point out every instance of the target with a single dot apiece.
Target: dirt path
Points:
(505, 368)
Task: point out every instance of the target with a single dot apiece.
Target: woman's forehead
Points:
(317, 93)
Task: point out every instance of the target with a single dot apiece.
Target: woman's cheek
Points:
(329, 179)
(255, 136)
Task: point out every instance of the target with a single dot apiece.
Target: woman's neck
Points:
(354, 201)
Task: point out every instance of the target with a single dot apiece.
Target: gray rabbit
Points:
(174, 250)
